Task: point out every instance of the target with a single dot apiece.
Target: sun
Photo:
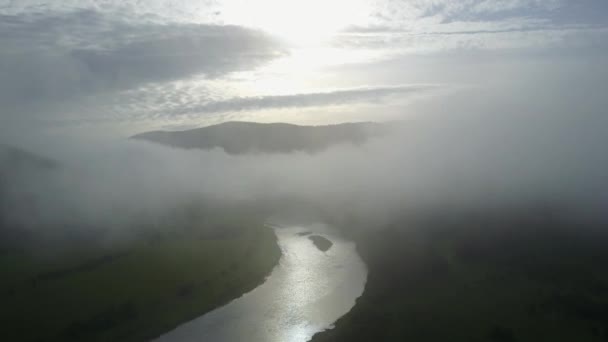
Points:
(300, 22)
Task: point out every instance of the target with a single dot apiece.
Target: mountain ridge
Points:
(240, 137)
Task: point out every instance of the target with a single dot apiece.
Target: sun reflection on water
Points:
(306, 293)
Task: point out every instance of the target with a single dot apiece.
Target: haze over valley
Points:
(271, 171)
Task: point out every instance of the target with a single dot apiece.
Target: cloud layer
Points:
(177, 63)
(479, 154)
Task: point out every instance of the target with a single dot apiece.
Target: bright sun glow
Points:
(298, 21)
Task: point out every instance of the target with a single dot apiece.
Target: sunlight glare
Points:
(299, 22)
(303, 70)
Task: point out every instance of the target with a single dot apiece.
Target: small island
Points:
(323, 244)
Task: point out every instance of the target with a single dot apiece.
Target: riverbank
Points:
(306, 293)
(480, 277)
(132, 293)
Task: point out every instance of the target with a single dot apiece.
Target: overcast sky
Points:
(120, 67)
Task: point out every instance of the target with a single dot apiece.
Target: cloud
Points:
(488, 6)
(336, 97)
(193, 103)
(484, 150)
(210, 50)
(165, 62)
(396, 10)
(530, 131)
(484, 36)
(437, 26)
(51, 57)
(158, 10)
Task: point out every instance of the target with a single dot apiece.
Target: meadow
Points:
(136, 289)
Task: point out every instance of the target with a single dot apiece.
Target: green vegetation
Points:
(480, 277)
(136, 291)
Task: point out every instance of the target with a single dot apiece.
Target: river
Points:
(306, 293)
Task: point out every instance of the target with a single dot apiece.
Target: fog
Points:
(460, 180)
(501, 145)
(492, 107)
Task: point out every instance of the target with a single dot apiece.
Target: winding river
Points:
(306, 293)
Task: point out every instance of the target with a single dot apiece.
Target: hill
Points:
(13, 159)
(250, 137)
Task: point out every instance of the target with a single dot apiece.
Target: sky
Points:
(504, 102)
(116, 68)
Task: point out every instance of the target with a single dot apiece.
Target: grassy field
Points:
(133, 292)
(487, 278)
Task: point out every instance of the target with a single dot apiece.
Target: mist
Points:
(498, 146)
(270, 171)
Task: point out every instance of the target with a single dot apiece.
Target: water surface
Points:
(306, 293)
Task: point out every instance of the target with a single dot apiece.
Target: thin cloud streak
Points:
(337, 97)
